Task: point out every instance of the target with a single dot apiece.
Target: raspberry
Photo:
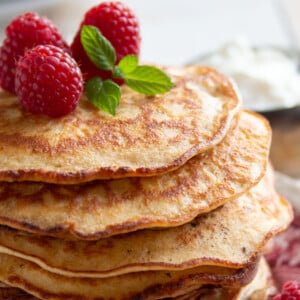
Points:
(290, 291)
(48, 81)
(23, 33)
(119, 25)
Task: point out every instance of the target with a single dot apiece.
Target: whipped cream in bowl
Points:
(268, 77)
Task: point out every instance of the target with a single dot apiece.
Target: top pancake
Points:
(148, 136)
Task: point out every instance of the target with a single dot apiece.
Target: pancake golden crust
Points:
(260, 288)
(104, 208)
(10, 293)
(142, 285)
(148, 136)
(230, 236)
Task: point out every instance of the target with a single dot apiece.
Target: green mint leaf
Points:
(105, 95)
(128, 63)
(97, 47)
(117, 73)
(148, 80)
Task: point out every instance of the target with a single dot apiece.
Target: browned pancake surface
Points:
(230, 236)
(148, 136)
(261, 287)
(105, 208)
(20, 273)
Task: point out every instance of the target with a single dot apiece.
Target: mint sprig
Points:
(98, 48)
(103, 94)
(106, 94)
(148, 80)
(128, 63)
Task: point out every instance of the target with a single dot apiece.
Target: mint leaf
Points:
(117, 73)
(97, 47)
(105, 95)
(148, 80)
(128, 63)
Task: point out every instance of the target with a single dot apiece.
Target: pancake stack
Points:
(173, 198)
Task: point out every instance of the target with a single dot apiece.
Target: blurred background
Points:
(176, 31)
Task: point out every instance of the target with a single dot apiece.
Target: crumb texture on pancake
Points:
(105, 208)
(148, 136)
(261, 287)
(25, 275)
(230, 236)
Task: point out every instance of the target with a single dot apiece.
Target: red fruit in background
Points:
(48, 81)
(119, 25)
(23, 33)
(290, 291)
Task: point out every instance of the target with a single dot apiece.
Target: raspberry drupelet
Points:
(48, 81)
(290, 291)
(23, 33)
(119, 25)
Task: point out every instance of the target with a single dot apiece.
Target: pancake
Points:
(262, 287)
(105, 208)
(149, 135)
(23, 274)
(258, 289)
(230, 236)
(9, 293)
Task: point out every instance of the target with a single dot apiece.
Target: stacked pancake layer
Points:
(172, 198)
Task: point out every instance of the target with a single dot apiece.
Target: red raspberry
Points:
(23, 33)
(290, 291)
(119, 25)
(48, 81)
